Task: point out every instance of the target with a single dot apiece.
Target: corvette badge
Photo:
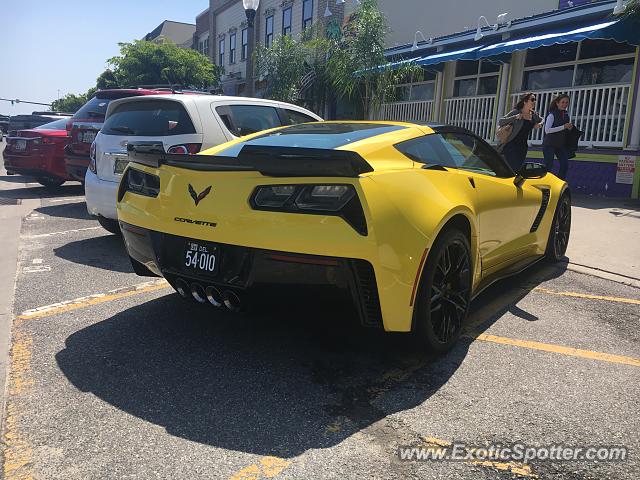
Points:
(198, 196)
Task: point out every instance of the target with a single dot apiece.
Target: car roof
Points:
(207, 99)
(361, 136)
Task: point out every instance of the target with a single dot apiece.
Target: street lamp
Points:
(250, 9)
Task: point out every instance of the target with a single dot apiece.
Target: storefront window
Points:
(612, 71)
(475, 78)
(565, 52)
(604, 48)
(571, 65)
(416, 92)
(548, 78)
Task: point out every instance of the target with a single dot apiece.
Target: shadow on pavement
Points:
(38, 191)
(16, 179)
(295, 376)
(106, 252)
(605, 203)
(76, 210)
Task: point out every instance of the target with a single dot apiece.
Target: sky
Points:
(51, 48)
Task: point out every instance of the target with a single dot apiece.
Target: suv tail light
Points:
(69, 126)
(92, 155)
(185, 148)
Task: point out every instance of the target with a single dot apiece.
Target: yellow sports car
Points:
(412, 220)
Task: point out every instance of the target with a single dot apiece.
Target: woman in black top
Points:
(555, 134)
(523, 119)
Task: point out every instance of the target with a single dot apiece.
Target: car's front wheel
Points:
(560, 230)
(445, 292)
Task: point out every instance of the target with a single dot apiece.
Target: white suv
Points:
(184, 123)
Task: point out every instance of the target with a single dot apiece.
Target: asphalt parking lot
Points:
(117, 377)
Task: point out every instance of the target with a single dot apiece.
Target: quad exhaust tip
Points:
(214, 296)
(232, 301)
(197, 292)
(182, 288)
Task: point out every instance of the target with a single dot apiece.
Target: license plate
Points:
(119, 165)
(86, 137)
(20, 145)
(200, 258)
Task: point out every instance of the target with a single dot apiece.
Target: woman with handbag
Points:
(514, 129)
(556, 126)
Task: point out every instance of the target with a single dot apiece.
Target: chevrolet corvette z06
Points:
(411, 220)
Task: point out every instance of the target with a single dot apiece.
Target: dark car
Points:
(4, 125)
(86, 122)
(26, 122)
(39, 152)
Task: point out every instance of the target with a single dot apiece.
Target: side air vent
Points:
(543, 208)
(367, 294)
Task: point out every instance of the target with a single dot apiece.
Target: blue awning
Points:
(618, 30)
(437, 58)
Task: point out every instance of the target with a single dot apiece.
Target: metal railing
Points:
(599, 111)
(421, 111)
(474, 113)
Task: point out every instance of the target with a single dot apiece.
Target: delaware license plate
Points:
(20, 145)
(200, 258)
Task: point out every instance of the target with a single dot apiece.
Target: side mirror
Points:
(530, 170)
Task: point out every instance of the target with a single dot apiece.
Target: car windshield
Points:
(314, 135)
(55, 125)
(94, 108)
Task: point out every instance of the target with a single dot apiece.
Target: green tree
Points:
(107, 79)
(71, 102)
(282, 65)
(356, 62)
(154, 63)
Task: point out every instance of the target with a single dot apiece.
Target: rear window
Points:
(55, 125)
(243, 120)
(149, 118)
(295, 117)
(315, 135)
(94, 108)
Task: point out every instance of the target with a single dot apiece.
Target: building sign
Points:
(626, 169)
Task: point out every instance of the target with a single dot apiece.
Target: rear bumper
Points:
(34, 166)
(243, 268)
(100, 196)
(76, 165)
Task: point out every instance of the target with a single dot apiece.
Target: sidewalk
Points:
(605, 235)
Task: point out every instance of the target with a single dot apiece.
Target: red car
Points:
(86, 122)
(39, 152)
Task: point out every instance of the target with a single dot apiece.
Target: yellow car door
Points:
(505, 211)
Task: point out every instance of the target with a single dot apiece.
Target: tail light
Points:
(92, 156)
(185, 148)
(339, 200)
(69, 126)
(139, 182)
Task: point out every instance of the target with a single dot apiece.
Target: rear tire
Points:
(444, 293)
(110, 225)
(49, 182)
(560, 230)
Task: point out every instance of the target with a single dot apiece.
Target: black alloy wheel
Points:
(445, 291)
(560, 230)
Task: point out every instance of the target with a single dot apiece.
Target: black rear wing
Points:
(269, 161)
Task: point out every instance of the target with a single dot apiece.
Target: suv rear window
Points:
(243, 120)
(94, 108)
(150, 118)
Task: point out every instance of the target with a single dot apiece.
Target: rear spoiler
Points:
(269, 161)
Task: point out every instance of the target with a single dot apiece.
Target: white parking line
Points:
(37, 268)
(41, 235)
(36, 261)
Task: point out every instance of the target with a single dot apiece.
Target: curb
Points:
(597, 272)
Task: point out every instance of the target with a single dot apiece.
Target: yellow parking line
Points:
(267, 467)
(550, 347)
(518, 468)
(83, 302)
(632, 301)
